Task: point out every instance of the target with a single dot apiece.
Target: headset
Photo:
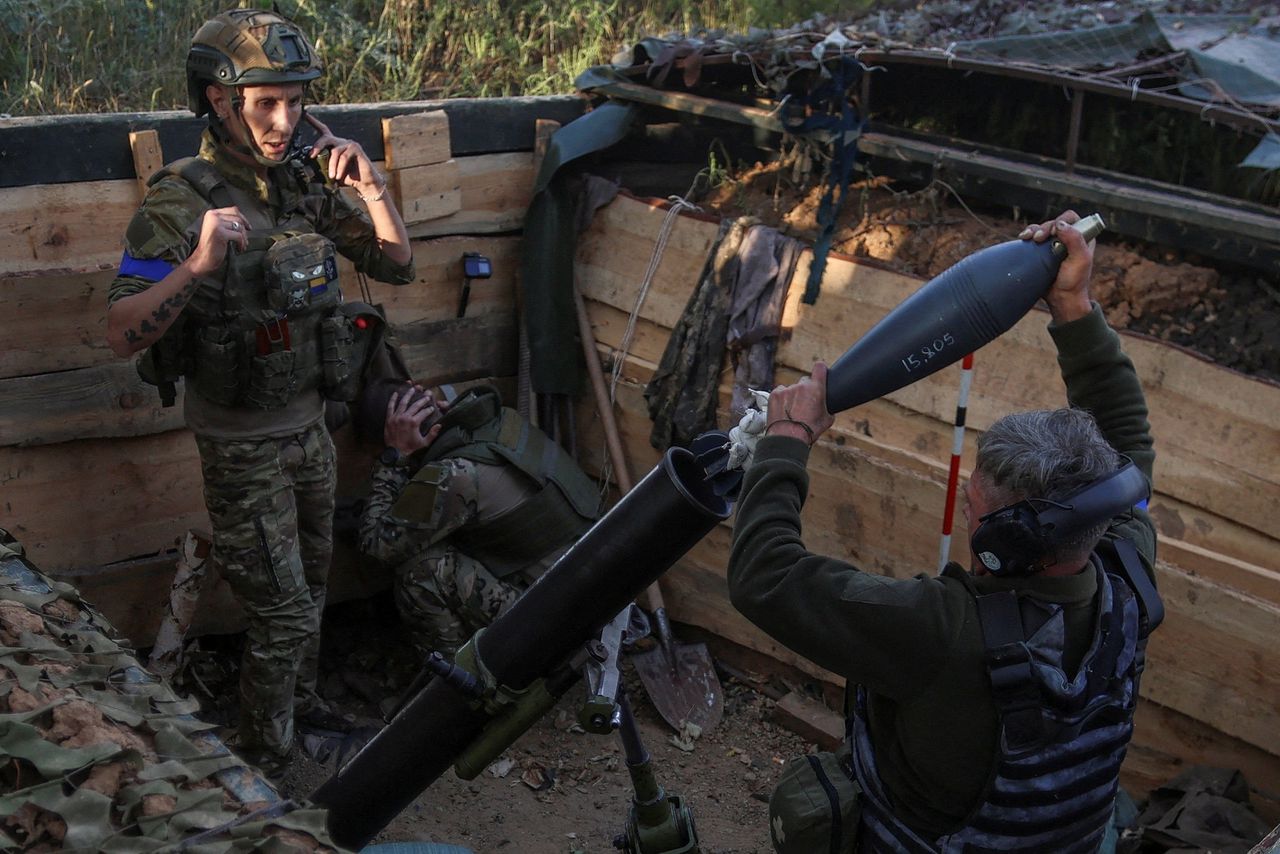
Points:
(1015, 539)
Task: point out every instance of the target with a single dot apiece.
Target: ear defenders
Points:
(1015, 539)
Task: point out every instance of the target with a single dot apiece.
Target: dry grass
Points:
(77, 56)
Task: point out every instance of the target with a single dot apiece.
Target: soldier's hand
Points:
(348, 165)
(1068, 299)
(800, 410)
(218, 228)
(407, 409)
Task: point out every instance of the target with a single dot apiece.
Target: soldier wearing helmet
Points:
(229, 281)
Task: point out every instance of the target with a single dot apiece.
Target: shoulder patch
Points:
(421, 502)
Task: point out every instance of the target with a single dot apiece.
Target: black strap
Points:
(206, 179)
(1129, 567)
(1013, 684)
(1103, 670)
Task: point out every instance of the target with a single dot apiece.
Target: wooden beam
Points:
(433, 294)
(60, 228)
(925, 444)
(477, 126)
(496, 191)
(695, 105)
(97, 402)
(96, 501)
(58, 322)
(111, 401)
(1073, 134)
(460, 349)
(811, 720)
(1160, 213)
(1167, 742)
(54, 323)
(147, 157)
(428, 192)
(416, 139)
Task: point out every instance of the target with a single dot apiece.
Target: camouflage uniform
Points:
(444, 595)
(269, 474)
(448, 585)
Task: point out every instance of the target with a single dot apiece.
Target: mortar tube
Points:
(644, 534)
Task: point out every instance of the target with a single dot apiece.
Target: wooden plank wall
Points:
(94, 474)
(97, 479)
(1212, 689)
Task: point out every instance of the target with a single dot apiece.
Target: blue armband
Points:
(151, 269)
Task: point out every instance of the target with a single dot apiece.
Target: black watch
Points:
(390, 456)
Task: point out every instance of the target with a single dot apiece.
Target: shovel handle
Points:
(652, 596)
(603, 405)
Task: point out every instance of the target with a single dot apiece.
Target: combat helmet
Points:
(247, 47)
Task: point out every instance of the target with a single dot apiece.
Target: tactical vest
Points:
(274, 328)
(1061, 740)
(478, 428)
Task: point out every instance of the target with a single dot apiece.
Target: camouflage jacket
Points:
(394, 541)
(470, 495)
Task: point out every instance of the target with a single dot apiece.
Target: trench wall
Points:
(96, 477)
(98, 480)
(1211, 693)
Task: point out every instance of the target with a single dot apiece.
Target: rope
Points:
(664, 234)
(957, 447)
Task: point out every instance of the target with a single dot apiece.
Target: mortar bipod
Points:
(657, 822)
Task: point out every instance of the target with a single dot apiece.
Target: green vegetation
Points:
(75, 56)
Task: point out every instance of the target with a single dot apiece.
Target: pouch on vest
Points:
(217, 365)
(270, 380)
(161, 364)
(301, 272)
(364, 345)
(338, 354)
(814, 809)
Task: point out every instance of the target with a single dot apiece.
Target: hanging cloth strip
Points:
(681, 397)
(550, 240)
(765, 264)
(832, 111)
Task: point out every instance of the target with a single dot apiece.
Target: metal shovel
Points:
(680, 678)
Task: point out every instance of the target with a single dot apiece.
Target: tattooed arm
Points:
(136, 321)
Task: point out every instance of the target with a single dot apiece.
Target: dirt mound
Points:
(1228, 316)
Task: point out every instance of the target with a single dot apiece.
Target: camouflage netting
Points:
(97, 754)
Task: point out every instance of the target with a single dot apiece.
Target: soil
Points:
(1230, 316)
(558, 789)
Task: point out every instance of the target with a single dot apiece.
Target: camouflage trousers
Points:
(445, 596)
(271, 503)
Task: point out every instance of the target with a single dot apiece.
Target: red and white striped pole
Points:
(957, 447)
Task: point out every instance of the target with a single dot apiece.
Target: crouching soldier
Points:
(470, 504)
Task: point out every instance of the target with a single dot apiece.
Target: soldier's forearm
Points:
(137, 321)
(392, 236)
